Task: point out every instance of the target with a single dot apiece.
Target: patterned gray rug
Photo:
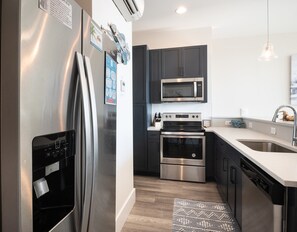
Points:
(194, 216)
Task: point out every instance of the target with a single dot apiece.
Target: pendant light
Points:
(268, 50)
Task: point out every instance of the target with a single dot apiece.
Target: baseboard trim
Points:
(125, 211)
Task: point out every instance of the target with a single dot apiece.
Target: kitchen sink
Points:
(265, 146)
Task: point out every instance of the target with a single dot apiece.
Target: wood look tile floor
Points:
(153, 209)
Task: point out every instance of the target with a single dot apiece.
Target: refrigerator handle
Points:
(94, 121)
(88, 172)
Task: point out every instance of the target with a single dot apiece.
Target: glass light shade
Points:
(181, 10)
(267, 52)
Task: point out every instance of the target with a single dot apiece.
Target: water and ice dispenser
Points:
(53, 178)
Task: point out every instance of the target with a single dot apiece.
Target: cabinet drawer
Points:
(153, 135)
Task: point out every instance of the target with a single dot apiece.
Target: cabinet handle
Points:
(233, 175)
(225, 166)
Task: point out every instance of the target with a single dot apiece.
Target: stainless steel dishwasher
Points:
(262, 200)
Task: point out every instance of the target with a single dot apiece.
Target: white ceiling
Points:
(227, 18)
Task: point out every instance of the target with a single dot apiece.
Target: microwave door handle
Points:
(195, 89)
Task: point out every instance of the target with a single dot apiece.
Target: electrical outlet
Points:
(228, 123)
(273, 130)
(250, 125)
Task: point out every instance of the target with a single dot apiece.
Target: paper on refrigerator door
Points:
(60, 9)
(96, 36)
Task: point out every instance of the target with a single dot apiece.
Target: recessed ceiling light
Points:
(181, 10)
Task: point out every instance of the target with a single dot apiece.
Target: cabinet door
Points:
(225, 172)
(232, 180)
(155, 76)
(154, 152)
(209, 158)
(234, 190)
(139, 137)
(292, 210)
(191, 61)
(221, 168)
(238, 200)
(140, 74)
(171, 67)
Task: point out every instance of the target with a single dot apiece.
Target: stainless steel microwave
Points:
(182, 89)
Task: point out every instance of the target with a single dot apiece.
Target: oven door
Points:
(182, 148)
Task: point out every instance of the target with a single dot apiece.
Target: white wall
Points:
(236, 78)
(105, 12)
(241, 81)
(172, 38)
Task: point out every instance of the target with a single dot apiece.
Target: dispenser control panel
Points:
(49, 149)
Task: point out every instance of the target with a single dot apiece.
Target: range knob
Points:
(193, 116)
(193, 155)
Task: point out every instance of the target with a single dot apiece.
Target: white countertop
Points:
(153, 128)
(281, 166)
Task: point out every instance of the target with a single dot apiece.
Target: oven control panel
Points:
(181, 117)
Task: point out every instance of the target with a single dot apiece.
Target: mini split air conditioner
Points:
(130, 9)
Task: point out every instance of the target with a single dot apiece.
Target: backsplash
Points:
(280, 130)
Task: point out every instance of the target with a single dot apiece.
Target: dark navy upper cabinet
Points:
(140, 74)
(155, 76)
(194, 61)
(171, 63)
(184, 62)
(181, 62)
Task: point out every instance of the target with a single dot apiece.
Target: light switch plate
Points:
(206, 123)
(123, 86)
(250, 125)
(273, 130)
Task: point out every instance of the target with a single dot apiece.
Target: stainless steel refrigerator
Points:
(58, 126)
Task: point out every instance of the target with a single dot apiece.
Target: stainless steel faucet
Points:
(294, 139)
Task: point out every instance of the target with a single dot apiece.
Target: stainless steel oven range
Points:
(182, 147)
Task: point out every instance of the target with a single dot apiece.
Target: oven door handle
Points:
(183, 136)
(175, 134)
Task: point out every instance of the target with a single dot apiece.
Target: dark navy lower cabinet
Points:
(153, 152)
(228, 176)
(292, 210)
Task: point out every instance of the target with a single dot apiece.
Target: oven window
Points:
(187, 148)
(176, 90)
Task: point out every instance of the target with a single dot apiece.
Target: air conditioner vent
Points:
(130, 9)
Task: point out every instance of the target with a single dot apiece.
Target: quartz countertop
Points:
(281, 166)
(153, 128)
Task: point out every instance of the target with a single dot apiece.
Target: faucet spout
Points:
(294, 138)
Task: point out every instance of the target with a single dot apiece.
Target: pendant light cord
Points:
(268, 41)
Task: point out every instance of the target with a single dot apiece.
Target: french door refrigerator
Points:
(58, 135)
